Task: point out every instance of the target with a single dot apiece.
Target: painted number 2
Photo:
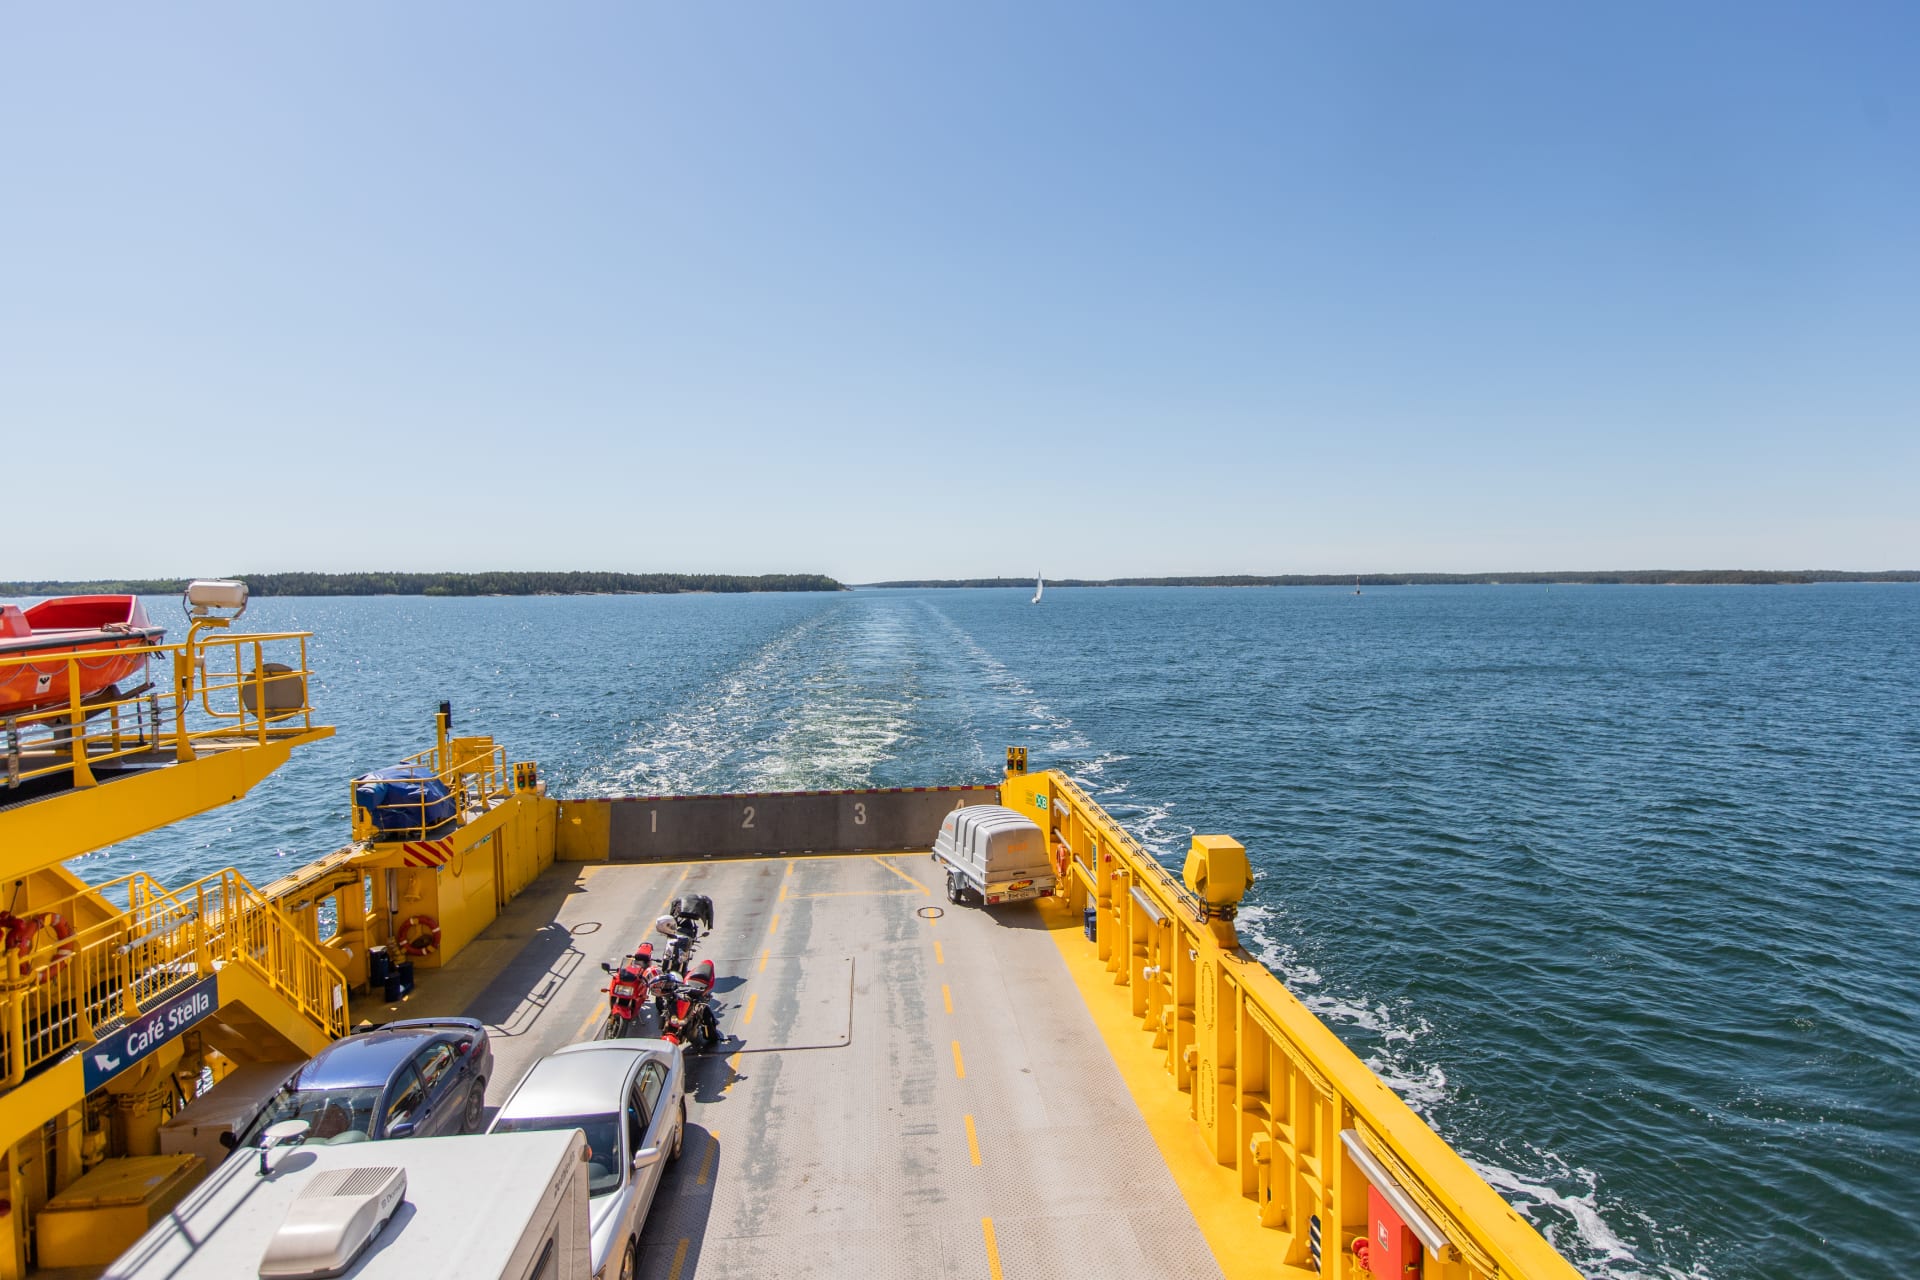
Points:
(746, 823)
(859, 814)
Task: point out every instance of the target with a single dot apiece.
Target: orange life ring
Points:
(419, 945)
(23, 937)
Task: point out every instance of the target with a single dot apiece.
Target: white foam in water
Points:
(1572, 1221)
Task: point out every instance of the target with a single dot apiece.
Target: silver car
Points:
(629, 1096)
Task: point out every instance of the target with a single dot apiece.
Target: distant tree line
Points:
(1631, 577)
(504, 583)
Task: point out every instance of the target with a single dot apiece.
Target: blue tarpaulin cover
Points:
(405, 797)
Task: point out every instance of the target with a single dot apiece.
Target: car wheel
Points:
(679, 1134)
(630, 1260)
(476, 1108)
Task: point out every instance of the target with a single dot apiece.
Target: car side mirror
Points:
(400, 1129)
(644, 1157)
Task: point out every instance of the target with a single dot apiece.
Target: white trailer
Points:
(485, 1207)
(993, 855)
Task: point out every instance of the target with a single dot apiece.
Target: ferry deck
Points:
(903, 1087)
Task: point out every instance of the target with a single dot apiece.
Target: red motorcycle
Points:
(628, 989)
(689, 1016)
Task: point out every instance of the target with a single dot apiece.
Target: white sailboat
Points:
(1039, 587)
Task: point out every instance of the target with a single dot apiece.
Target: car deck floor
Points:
(903, 1087)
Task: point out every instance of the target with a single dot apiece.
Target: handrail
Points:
(1141, 859)
(155, 941)
(206, 692)
(1277, 1095)
(475, 773)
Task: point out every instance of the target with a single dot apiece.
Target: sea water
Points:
(1616, 886)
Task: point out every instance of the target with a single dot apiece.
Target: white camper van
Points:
(993, 855)
(495, 1207)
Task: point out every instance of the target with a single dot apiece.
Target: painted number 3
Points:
(859, 814)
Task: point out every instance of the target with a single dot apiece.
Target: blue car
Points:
(418, 1078)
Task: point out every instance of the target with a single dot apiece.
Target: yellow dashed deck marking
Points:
(973, 1142)
(596, 1015)
(746, 1019)
(917, 886)
(993, 1249)
(763, 959)
(939, 956)
(680, 1256)
(783, 892)
(733, 1072)
(775, 926)
(706, 1161)
(959, 1063)
(946, 995)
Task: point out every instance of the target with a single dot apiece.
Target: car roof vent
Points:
(335, 1216)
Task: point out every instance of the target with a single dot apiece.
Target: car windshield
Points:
(603, 1144)
(335, 1115)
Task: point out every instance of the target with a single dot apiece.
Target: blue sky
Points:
(913, 290)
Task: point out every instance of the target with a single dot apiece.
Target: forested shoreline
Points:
(1610, 577)
(503, 583)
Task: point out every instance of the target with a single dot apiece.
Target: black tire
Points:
(475, 1111)
(679, 1133)
(630, 1260)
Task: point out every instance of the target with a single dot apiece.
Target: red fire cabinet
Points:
(1393, 1251)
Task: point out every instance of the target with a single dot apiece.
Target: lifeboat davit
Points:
(109, 632)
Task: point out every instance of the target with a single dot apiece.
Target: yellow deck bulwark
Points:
(1271, 1096)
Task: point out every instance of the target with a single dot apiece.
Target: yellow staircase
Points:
(120, 1001)
(68, 992)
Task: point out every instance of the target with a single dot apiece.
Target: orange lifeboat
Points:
(109, 633)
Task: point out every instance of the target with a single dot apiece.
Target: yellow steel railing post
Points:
(182, 699)
(16, 1022)
(202, 945)
(259, 690)
(77, 727)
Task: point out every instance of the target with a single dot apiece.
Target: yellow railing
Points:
(174, 700)
(1279, 1099)
(474, 772)
(65, 992)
